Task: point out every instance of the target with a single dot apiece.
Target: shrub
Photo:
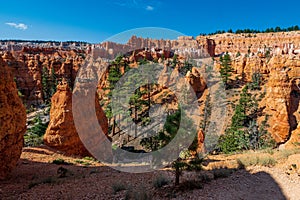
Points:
(32, 140)
(160, 181)
(205, 178)
(82, 162)
(60, 161)
(191, 185)
(256, 81)
(117, 187)
(141, 194)
(48, 180)
(222, 173)
(255, 160)
(34, 135)
(244, 132)
(178, 166)
(285, 153)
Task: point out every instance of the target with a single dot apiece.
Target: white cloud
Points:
(149, 8)
(149, 5)
(20, 26)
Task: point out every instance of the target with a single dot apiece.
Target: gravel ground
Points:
(36, 177)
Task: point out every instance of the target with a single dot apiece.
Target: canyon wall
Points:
(27, 67)
(281, 42)
(276, 57)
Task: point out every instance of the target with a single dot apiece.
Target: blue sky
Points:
(95, 21)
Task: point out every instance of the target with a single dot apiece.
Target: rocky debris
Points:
(293, 164)
(294, 140)
(12, 121)
(254, 183)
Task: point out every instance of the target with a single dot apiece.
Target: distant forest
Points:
(268, 30)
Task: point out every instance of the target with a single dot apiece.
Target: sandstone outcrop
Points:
(61, 133)
(282, 96)
(12, 121)
(196, 80)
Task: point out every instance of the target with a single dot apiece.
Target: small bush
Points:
(141, 194)
(34, 135)
(195, 164)
(284, 154)
(205, 178)
(267, 161)
(185, 154)
(254, 160)
(222, 173)
(48, 180)
(117, 187)
(82, 162)
(160, 181)
(89, 158)
(191, 185)
(60, 161)
(32, 140)
(269, 151)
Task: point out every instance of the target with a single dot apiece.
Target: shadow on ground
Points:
(45, 180)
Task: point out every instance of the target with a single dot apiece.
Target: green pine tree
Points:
(244, 132)
(45, 85)
(226, 69)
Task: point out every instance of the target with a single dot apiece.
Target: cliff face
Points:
(282, 96)
(12, 121)
(275, 56)
(28, 67)
(278, 42)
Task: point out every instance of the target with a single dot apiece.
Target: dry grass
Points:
(285, 153)
(256, 160)
(268, 157)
